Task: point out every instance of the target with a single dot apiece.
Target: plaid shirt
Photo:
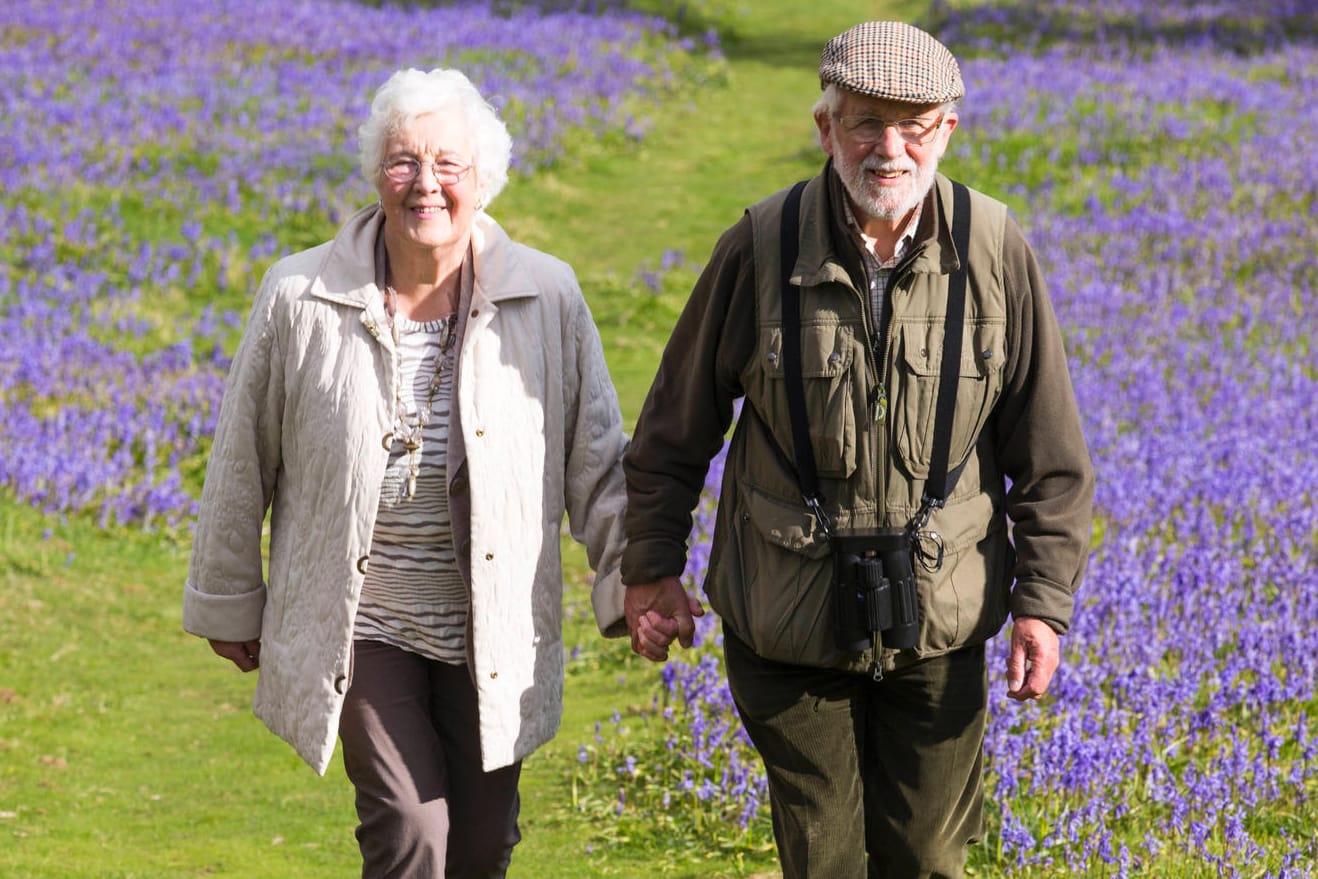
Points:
(878, 270)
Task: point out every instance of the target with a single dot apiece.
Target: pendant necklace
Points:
(408, 427)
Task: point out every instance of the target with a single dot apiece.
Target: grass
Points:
(128, 750)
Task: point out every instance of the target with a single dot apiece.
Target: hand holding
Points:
(657, 614)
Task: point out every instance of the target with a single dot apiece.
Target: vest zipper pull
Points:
(876, 662)
(878, 404)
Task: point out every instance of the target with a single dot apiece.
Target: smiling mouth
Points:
(429, 210)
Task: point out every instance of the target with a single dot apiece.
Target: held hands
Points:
(244, 654)
(1034, 657)
(659, 613)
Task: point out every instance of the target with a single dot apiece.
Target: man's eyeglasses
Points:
(405, 169)
(870, 129)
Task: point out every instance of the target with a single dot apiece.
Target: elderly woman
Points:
(426, 394)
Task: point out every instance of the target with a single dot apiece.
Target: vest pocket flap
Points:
(983, 349)
(826, 351)
(786, 525)
(965, 523)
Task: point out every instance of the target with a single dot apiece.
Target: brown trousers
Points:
(895, 765)
(411, 748)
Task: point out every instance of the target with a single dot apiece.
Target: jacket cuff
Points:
(606, 601)
(223, 617)
(1042, 599)
(645, 561)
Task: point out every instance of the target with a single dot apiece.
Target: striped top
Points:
(413, 596)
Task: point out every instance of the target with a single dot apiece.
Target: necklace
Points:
(408, 426)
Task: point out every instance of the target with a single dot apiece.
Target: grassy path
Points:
(691, 178)
(726, 147)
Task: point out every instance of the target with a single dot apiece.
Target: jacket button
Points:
(361, 564)
(489, 556)
(494, 675)
(773, 356)
(475, 311)
(341, 684)
(388, 441)
(480, 432)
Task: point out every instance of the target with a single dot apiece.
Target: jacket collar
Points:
(347, 273)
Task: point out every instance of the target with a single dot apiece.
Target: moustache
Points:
(887, 166)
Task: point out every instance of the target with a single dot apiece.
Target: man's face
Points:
(887, 170)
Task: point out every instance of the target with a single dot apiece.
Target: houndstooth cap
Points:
(891, 60)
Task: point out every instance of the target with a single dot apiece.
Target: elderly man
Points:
(906, 397)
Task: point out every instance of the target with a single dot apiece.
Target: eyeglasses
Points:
(870, 129)
(405, 169)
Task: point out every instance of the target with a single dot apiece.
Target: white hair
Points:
(411, 93)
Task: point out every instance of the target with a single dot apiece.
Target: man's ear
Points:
(945, 136)
(824, 122)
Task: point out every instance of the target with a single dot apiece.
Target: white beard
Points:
(886, 202)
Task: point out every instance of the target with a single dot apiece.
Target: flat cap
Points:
(891, 60)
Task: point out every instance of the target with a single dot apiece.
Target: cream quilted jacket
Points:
(536, 434)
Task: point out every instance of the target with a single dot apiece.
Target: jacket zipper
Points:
(881, 361)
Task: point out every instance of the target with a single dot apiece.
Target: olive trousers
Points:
(411, 748)
(868, 779)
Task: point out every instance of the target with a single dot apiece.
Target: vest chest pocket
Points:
(828, 362)
(915, 390)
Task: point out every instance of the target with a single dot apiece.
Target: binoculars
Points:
(875, 602)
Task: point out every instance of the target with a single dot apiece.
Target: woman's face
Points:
(434, 210)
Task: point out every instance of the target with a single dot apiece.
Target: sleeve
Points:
(594, 441)
(688, 410)
(225, 591)
(1041, 446)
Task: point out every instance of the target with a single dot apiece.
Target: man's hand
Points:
(1034, 657)
(659, 612)
(244, 654)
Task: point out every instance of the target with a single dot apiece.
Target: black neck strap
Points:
(804, 450)
(940, 482)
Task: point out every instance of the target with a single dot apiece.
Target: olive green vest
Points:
(870, 410)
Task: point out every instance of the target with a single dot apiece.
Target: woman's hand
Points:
(244, 654)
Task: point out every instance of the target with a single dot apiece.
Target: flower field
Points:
(143, 141)
(1159, 158)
